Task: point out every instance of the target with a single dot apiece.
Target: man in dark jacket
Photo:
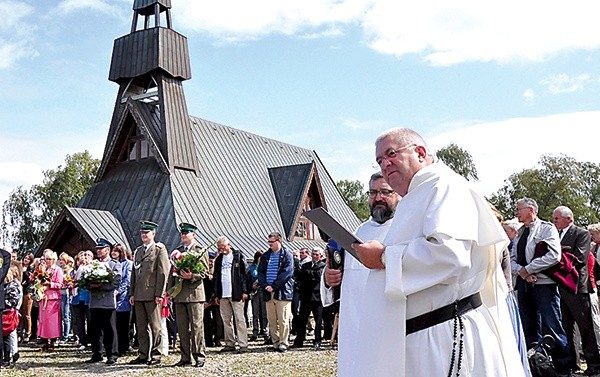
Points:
(4, 267)
(309, 278)
(577, 307)
(276, 278)
(231, 292)
(103, 305)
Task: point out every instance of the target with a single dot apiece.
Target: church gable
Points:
(136, 137)
(296, 188)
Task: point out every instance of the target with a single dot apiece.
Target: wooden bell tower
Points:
(150, 64)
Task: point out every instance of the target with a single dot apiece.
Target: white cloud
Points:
(10, 53)
(562, 83)
(498, 148)
(15, 33)
(71, 6)
(355, 124)
(12, 13)
(443, 32)
(25, 157)
(502, 148)
(529, 96)
(235, 20)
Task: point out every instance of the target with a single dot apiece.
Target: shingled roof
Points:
(160, 164)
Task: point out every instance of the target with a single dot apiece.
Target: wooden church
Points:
(163, 165)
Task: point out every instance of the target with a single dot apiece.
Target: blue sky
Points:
(508, 81)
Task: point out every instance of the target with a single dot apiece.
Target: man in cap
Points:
(103, 308)
(148, 283)
(189, 301)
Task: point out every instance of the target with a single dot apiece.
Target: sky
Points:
(507, 81)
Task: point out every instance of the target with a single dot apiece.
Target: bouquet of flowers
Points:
(95, 274)
(190, 261)
(39, 277)
(68, 282)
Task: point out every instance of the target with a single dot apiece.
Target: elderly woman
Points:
(49, 328)
(120, 253)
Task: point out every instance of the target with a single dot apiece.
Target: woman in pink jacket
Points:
(50, 327)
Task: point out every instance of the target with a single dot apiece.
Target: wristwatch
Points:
(383, 258)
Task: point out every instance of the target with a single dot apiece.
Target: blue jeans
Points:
(539, 307)
(65, 310)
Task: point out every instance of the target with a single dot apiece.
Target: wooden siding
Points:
(143, 51)
(176, 126)
(141, 4)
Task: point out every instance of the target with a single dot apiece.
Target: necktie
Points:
(186, 248)
(521, 259)
(560, 232)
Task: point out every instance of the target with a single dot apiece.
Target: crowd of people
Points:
(100, 300)
(438, 285)
(440, 242)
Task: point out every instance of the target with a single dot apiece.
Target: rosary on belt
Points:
(458, 322)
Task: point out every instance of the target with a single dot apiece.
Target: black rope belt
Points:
(443, 314)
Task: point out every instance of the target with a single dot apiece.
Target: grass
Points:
(66, 361)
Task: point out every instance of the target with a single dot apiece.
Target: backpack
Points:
(10, 321)
(539, 358)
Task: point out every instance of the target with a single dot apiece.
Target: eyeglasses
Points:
(273, 241)
(384, 193)
(392, 153)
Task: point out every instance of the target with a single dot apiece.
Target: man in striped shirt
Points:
(276, 278)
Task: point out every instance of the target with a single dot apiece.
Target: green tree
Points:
(20, 224)
(355, 196)
(28, 214)
(459, 160)
(559, 180)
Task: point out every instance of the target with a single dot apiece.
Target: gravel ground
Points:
(66, 361)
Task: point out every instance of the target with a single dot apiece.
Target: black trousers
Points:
(577, 308)
(123, 332)
(307, 307)
(213, 325)
(103, 329)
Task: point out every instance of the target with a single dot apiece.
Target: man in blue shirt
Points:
(276, 278)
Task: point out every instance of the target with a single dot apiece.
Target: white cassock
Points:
(444, 244)
(360, 304)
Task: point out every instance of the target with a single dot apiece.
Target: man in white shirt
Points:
(362, 295)
(446, 309)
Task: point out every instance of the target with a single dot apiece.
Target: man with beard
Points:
(362, 289)
(444, 295)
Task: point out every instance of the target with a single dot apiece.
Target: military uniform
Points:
(189, 306)
(148, 281)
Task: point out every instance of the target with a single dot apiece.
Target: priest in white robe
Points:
(440, 255)
(362, 296)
